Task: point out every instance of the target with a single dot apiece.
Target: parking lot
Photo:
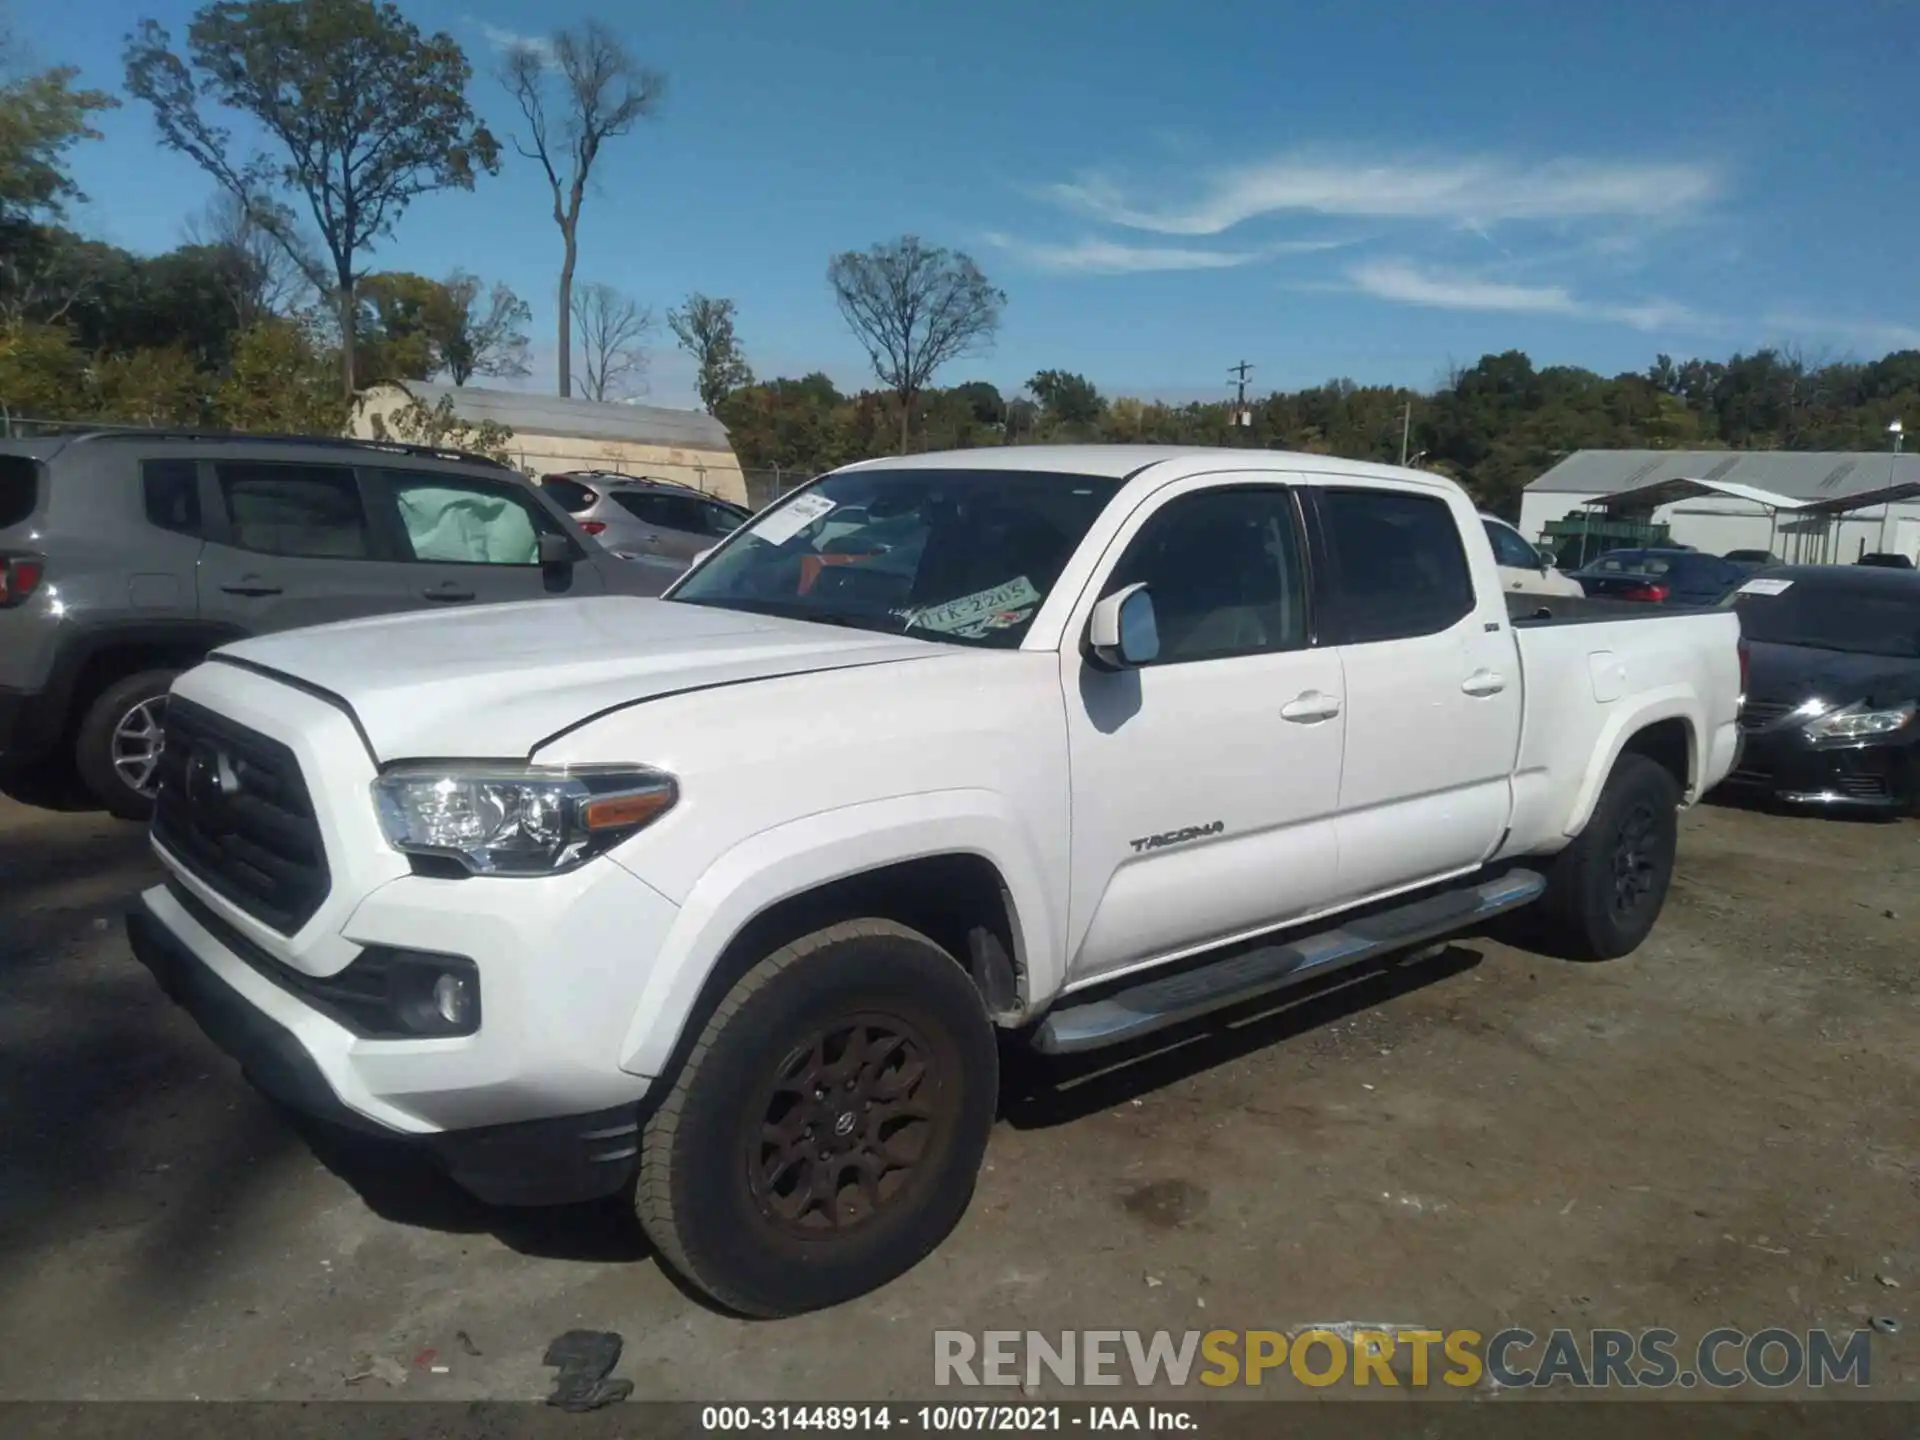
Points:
(1719, 1130)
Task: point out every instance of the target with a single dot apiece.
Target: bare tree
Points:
(613, 331)
(603, 94)
(704, 328)
(484, 330)
(913, 307)
(259, 276)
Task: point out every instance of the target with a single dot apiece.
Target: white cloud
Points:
(505, 40)
(1464, 192)
(1877, 335)
(1106, 257)
(1406, 283)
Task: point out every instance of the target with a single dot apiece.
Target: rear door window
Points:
(171, 490)
(1509, 549)
(1399, 567)
(19, 489)
(311, 511)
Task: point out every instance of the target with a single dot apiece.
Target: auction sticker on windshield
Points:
(970, 615)
(1765, 587)
(793, 517)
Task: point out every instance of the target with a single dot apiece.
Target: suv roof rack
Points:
(392, 447)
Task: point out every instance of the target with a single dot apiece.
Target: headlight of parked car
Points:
(1857, 722)
(518, 820)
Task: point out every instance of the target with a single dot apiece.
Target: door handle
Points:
(251, 585)
(1484, 682)
(1309, 707)
(446, 592)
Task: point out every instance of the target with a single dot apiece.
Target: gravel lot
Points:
(1723, 1129)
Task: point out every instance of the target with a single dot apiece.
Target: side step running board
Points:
(1155, 1004)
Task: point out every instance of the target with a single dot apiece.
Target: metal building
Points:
(1809, 506)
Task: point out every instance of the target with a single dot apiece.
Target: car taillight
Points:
(19, 578)
(593, 527)
(1647, 592)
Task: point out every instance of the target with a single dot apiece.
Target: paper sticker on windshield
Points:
(1765, 587)
(793, 517)
(969, 616)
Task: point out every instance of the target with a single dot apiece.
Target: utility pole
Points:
(1241, 415)
(1406, 428)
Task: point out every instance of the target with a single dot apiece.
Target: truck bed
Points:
(1529, 612)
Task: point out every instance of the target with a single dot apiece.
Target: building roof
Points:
(527, 413)
(1797, 474)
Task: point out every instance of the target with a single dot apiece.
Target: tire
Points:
(732, 1192)
(108, 752)
(1606, 889)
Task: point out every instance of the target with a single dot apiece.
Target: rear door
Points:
(1432, 686)
(291, 544)
(675, 527)
(469, 540)
(1204, 783)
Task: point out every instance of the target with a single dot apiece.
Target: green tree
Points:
(913, 307)
(283, 380)
(1067, 399)
(604, 93)
(158, 386)
(43, 374)
(368, 115)
(42, 117)
(703, 327)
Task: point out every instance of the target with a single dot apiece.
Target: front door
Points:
(473, 541)
(1205, 783)
(1433, 689)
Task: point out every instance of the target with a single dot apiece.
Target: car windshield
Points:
(965, 556)
(1866, 620)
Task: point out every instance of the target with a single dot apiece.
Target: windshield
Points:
(959, 555)
(1865, 620)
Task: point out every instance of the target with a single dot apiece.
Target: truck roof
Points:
(1121, 462)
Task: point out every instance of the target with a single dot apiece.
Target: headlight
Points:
(518, 820)
(1856, 722)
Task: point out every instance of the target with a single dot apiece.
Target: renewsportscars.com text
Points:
(1722, 1359)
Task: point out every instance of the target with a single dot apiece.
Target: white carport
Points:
(1646, 499)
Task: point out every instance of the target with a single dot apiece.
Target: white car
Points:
(722, 896)
(1525, 569)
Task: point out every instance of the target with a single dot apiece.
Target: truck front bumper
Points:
(514, 1112)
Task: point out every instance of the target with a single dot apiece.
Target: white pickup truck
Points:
(723, 896)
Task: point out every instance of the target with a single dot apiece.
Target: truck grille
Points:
(234, 810)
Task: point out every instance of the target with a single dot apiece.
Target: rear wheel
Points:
(1606, 889)
(117, 749)
(825, 1133)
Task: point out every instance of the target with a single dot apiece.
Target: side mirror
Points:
(555, 550)
(1123, 631)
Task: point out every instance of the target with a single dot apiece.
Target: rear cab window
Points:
(1399, 569)
(170, 490)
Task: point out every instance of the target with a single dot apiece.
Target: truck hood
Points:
(497, 681)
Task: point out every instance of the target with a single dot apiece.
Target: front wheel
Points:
(826, 1130)
(1606, 889)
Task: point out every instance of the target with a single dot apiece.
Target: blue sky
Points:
(1371, 190)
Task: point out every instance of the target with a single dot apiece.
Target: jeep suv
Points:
(645, 519)
(126, 556)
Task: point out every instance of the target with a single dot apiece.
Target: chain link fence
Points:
(766, 486)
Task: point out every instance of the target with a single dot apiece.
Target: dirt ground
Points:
(1723, 1129)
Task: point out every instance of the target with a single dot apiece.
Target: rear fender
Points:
(1676, 702)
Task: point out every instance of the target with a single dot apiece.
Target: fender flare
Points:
(1675, 702)
(788, 860)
